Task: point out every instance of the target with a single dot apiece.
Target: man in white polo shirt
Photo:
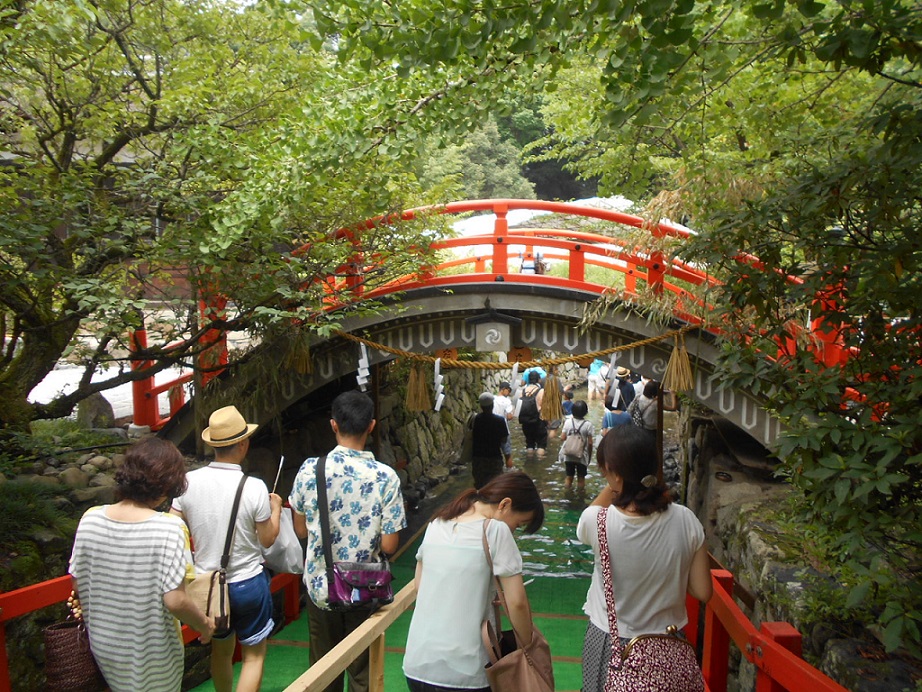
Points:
(206, 508)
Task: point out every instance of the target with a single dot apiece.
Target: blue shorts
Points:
(251, 609)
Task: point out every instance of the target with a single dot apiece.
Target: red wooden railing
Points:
(28, 599)
(774, 648)
(490, 261)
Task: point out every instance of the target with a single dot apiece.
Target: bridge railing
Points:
(774, 648)
(490, 260)
(31, 598)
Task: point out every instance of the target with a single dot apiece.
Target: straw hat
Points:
(227, 427)
(622, 371)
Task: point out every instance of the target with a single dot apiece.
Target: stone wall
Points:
(737, 498)
(423, 446)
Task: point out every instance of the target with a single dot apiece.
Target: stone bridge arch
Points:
(426, 320)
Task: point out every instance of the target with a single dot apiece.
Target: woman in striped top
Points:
(129, 565)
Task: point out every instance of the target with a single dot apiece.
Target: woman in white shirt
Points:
(455, 588)
(657, 551)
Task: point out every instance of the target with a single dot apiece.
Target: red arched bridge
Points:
(500, 273)
(444, 309)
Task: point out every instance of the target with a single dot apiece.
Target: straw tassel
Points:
(299, 355)
(678, 377)
(418, 390)
(411, 390)
(551, 404)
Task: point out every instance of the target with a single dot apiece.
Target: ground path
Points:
(557, 571)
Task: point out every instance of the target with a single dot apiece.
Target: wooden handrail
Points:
(370, 635)
(774, 649)
(34, 597)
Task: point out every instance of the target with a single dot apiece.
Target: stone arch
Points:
(429, 319)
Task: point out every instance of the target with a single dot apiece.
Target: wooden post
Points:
(376, 665)
(577, 264)
(500, 231)
(656, 274)
(715, 665)
(145, 407)
(787, 636)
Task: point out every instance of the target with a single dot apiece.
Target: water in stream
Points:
(554, 550)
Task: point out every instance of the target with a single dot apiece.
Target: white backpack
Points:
(575, 445)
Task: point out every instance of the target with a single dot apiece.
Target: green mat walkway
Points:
(557, 570)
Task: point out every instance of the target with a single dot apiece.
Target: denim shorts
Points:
(251, 609)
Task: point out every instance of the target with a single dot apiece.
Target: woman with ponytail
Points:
(454, 586)
(656, 549)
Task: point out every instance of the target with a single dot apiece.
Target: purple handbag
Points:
(360, 584)
(350, 585)
(649, 662)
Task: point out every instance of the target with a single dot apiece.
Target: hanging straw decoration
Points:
(551, 405)
(418, 390)
(678, 377)
(410, 402)
(298, 357)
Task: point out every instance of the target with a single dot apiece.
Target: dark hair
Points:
(517, 486)
(651, 389)
(568, 394)
(630, 452)
(353, 412)
(153, 468)
(580, 408)
(534, 376)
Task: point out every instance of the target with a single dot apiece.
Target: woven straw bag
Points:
(69, 663)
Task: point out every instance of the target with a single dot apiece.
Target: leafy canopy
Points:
(789, 130)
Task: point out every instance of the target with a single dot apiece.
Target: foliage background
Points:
(142, 136)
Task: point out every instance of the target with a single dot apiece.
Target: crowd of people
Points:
(131, 561)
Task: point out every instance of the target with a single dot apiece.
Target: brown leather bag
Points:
(513, 667)
(209, 589)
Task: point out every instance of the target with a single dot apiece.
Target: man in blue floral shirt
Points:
(366, 514)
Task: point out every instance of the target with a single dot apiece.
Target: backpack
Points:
(637, 413)
(575, 445)
(529, 411)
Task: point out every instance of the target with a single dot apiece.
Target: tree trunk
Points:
(38, 353)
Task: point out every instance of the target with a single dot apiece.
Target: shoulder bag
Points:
(350, 585)
(466, 456)
(649, 662)
(286, 554)
(209, 590)
(514, 667)
(69, 662)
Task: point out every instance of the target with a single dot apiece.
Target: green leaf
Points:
(858, 594)
(810, 8)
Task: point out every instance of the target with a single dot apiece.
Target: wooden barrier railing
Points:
(28, 599)
(774, 649)
(369, 636)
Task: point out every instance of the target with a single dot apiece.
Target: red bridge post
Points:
(716, 663)
(500, 248)
(787, 636)
(146, 411)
